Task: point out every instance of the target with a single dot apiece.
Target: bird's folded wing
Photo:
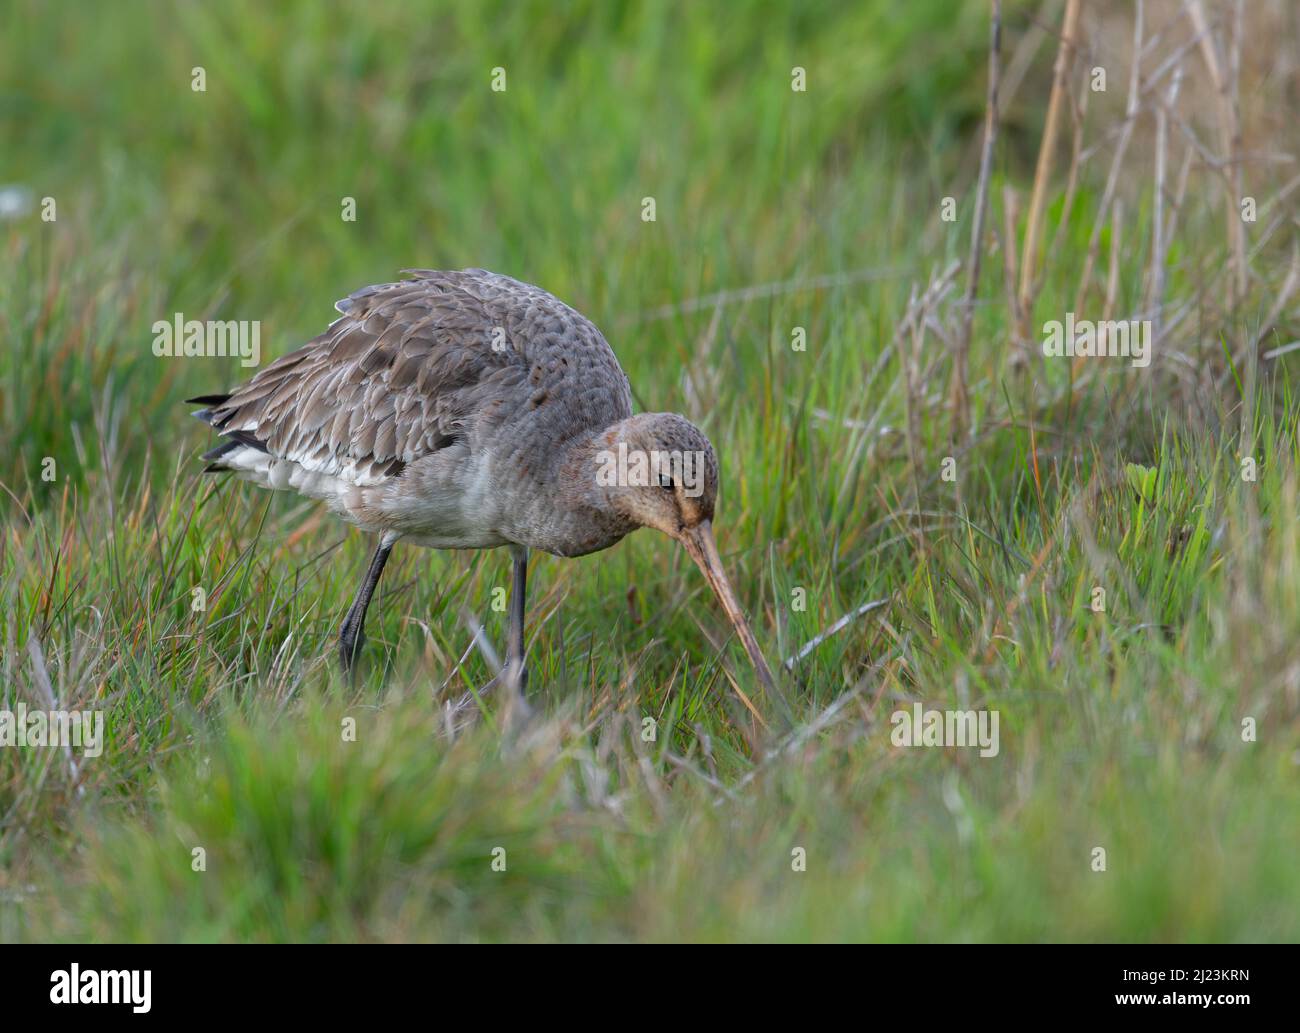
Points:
(402, 373)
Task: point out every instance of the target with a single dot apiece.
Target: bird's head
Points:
(659, 470)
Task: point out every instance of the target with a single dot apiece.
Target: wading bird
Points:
(468, 410)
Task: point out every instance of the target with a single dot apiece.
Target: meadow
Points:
(801, 294)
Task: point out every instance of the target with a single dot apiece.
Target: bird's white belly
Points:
(280, 474)
(451, 513)
(444, 503)
(449, 508)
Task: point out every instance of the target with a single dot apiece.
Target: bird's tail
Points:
(232, 439)
(210, 402)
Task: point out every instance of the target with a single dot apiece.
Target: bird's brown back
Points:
(414, 366)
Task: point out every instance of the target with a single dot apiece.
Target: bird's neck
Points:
(577, 515)
(584, 468)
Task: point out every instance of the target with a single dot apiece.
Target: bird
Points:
(470, 410)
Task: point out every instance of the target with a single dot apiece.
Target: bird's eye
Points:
(665, 481)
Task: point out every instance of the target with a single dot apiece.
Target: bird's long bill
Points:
(698, 541)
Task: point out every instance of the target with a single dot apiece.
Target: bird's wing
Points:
(410, 368)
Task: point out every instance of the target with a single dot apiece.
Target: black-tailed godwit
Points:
(468, 410)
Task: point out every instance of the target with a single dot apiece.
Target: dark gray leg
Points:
(351, 635)
(515, 647)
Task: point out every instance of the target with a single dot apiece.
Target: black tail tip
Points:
(213, 455)
(207, 400)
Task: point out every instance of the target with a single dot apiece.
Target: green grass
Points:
(1120, 729)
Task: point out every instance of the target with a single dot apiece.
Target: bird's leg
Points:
(351, 635)
(515, 671)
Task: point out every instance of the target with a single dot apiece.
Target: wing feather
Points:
(411, 367)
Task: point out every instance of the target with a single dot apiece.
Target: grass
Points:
(200, 615)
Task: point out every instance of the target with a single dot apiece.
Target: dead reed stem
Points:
(1131, 109)
(1043, 172)
(1159, 243)
(960, 394)
(1229, 137)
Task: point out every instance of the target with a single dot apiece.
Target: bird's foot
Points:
(516, 713)
(350, 645)
(517, 673)
(514, 679)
